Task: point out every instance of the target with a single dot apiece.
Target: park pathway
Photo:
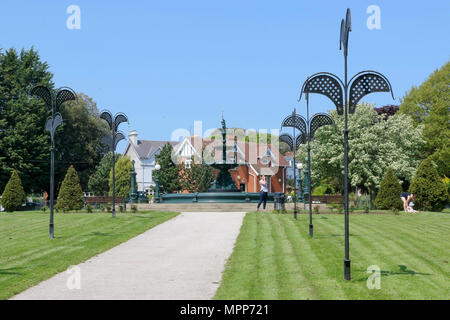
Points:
(182, 258)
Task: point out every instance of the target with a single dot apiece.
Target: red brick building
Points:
(253, 159)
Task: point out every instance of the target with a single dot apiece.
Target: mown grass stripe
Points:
(30, 257)
(390, 241)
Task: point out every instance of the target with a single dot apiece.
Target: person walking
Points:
(262, 193)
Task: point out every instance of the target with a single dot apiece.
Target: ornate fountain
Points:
(224, 182)
(223, 189)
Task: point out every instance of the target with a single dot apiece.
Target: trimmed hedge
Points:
(431, 192)
(70, 195)
(388, 196)
(13, 196)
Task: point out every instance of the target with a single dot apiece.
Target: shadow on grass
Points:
(403, 271)
(143, 217)
(11, 271)
(103, 234)
(335, 235)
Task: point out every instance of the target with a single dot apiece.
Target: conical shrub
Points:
(431, 192)
(13, 196)
(388, 196)
(70, 195)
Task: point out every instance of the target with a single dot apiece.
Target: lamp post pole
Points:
(306, 191)
(296, 122)
(295, 178)
(311, 227)
(112, 140)
(345, 95)
(53, 99)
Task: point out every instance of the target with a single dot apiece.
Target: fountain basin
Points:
(214, 197)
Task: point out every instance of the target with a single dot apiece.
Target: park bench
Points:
(328, 199)
(102, 200)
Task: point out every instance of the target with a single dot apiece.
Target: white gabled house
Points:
(143, 152)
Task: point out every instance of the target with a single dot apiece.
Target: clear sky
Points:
(168, 63)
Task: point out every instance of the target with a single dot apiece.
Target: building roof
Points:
(251, 151)
(146, 148)
(248, 152)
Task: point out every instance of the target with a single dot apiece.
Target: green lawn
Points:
(274, 257)
(28, 256)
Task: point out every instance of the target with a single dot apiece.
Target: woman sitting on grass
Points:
(408, 199)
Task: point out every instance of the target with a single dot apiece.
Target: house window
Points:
(187, 164)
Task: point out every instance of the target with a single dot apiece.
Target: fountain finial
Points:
(224, 128)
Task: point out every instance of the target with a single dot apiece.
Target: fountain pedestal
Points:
(223, 182)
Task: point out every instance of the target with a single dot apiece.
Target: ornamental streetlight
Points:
(157, 168)
(293, 141)
(112, 140)
(334, 88)
(307, 128)
(53, 99)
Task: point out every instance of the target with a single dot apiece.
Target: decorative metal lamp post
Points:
(345, 100)
(53, 99)
(294, 121)
(157, 168)
(307, 129)
(112, 140)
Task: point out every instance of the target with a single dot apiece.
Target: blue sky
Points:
(168, 63)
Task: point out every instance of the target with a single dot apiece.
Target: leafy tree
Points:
(13, 196)
(70, 195)
(24, 145)
(198, 178)
(323, 189)
(387, 111)
(388, 196)
(169, 174)
(430, 189)
(78, 141)
(99, 180)
(249, 135)
(374, 145)
(123, 169)
(290, 182)
(428, 105)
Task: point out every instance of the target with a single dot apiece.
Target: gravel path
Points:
(182, 258)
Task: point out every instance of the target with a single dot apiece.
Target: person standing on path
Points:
(262, 193)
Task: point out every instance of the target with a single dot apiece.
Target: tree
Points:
(123, 169)
(169, 177)
(99, 180)
(197, 178)
(24, 144)
(374, 145)
(431, 192)
(388, 196)
(70, 195)
(13, 196)
(387, 111)
(428, 105)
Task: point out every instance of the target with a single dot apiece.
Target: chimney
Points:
(132, 137)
